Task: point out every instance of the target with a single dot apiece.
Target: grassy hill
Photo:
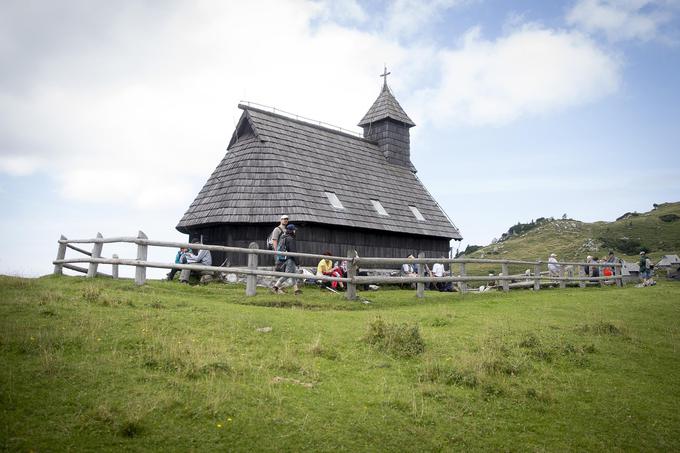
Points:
(657, 231)
(101, 365)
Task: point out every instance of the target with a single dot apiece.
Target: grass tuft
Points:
(438, 322)
(91, 293)
(156, 304)
(530, 341)
(50, 297)
(603, 328)
(130, 428)
(318, 350)
(538, 395)
(216, 368)
(399, 340)
(447, 374)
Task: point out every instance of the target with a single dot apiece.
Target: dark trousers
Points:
(172, 272)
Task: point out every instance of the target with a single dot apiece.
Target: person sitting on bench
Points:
(203, 258)
(325, 267)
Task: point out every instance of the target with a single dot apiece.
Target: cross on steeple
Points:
(385, 74)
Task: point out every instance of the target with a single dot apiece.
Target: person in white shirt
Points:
(553, 267)
(407, 269)
(438, 270)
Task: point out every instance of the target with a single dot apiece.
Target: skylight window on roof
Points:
(417, 213)
(379, 207)
(334, 200)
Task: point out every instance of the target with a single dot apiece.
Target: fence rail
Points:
(94, 258)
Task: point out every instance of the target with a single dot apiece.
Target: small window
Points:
(417, 213)
(334, 200)
(379, 207)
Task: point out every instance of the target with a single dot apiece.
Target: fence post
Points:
(617, 273)
(420, 286)
(563, 283)
(463, 284)
(581, 274)
(96, 253)
(504, 272)
(251, 280)
(114, 267)
(351, 293)
(451, 274)
(140, 271)
(537, 276)
(61, 254)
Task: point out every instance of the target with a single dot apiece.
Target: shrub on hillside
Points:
(669, 217)
(625, 245)
(469, 249)
(522, 228)
(399, 340)
(628, 215)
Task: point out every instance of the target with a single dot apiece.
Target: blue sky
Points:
(113, 115)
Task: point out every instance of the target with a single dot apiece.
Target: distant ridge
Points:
(656, 231)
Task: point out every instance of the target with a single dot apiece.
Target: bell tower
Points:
(388, 125)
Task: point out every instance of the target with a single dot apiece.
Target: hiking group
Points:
(283, 240)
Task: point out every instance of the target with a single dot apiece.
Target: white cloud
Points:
(622, 20)
(151, 104)
(406, 18)
(19, 165)
(341, 11)
(135, 106)
(532, 70)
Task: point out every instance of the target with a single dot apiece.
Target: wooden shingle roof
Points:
(278, 165)
(386, 106)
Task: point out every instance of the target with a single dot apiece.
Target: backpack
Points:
(281, 247)
(270, 239)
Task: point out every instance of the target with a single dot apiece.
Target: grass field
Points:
(102, 365)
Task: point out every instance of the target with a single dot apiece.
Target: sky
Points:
(114, 114)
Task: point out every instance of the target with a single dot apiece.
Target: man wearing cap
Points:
(553, 267)
(290, 262)
(589, 260)
(278, 231)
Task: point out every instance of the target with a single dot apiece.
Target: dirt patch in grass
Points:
(286, 380)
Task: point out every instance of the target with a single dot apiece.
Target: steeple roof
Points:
(386, 106)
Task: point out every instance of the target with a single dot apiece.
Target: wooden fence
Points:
(535, 280)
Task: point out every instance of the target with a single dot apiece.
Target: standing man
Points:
(553, 267)
(645, 267)
(290, 262)
(278, 231)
